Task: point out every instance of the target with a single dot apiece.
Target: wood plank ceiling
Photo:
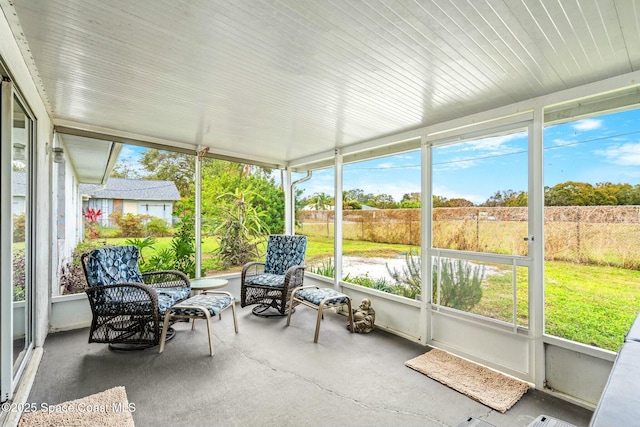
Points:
(277, 80)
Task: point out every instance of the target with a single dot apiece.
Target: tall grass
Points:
(599, 235)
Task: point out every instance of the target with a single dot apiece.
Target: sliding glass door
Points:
(16, 219)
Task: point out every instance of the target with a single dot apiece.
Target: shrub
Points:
(157, 227)
(183, 246)
(460, 281)
(460, 284)
(19, 272)
(163, 259)
(147, 242)
(19, 223)
(180, 256)
(130, 225)
(241, 225)
(72, 280)
(408, 279)
(381, 285)
(368, 282)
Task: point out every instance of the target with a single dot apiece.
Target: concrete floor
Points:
(271, 375)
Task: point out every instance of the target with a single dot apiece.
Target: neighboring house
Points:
(135, 196)
(19, 192)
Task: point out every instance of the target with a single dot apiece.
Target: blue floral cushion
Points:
(284, 252)
(316, 296)
(113, 265)
(214, 303)
(164, 302)
(266, 279)
(175, 293)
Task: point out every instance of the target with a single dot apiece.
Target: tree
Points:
(411, 200)
(502, 198)
(354, 194)
(171, 166)
(521, 200)
(459, 203)
(221, 176)
(572, 193)
(383, 201)
(348, 203)
(625, 194)
(126, 168)
(439, 201)
(359, 196)
(321, 201)
(271, 203)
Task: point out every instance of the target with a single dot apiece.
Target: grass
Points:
(594, 305)
(497, 295)
(321, 248)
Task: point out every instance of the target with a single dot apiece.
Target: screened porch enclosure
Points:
(316, 92)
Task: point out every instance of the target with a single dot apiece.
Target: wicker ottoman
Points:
(319, 299)
(201, 306)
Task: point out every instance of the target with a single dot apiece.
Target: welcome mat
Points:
(109, 408)
(491, 388)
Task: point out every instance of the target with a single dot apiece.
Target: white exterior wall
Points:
(67, 217)
(156, 208)
(129, 206)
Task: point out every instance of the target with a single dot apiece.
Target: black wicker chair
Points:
(128, 306)
(269, 284)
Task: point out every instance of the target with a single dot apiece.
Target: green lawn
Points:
(594, 305)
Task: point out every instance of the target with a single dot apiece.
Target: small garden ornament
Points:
(364, 318)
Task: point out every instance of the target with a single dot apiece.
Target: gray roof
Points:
(132, 189)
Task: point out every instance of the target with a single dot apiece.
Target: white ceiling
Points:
(278, 80)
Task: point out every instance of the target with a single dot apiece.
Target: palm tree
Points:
(321, 201)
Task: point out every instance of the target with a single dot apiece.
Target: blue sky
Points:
(600, 149)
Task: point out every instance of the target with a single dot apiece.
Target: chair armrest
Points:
(214, 292)
(166, 279)
(123, 299)
(294, 276)
(254, 266)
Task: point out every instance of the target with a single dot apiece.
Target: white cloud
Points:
(405, 156)
(387, 165)
(587, 124)
(493, 144)
(622, 155)
(455, 163)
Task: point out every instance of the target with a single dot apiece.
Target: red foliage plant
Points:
(92, 216)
